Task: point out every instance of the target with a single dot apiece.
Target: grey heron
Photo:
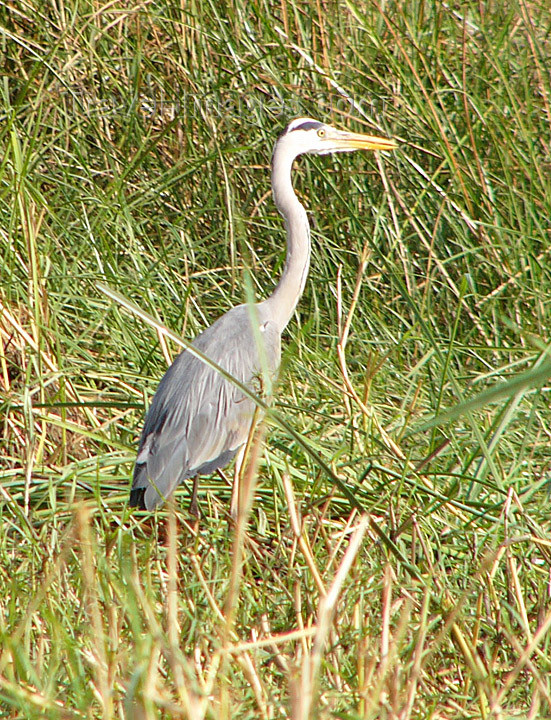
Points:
(198, 420)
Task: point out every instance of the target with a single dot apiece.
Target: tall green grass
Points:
(136, 143)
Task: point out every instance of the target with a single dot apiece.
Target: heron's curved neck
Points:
(283, 301)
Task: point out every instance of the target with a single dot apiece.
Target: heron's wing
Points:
(197, 419)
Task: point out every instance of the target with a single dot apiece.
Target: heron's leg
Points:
(194, 505)
(234, 504)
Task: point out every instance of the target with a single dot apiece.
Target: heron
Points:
(198, 421)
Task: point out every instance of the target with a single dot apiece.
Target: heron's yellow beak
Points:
(356, 141)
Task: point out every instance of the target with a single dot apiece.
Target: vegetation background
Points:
(135, 148)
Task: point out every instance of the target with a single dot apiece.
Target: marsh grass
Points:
(395, 560)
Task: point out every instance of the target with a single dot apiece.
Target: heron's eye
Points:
(321, 133)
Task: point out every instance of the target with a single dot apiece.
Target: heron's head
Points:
(304, 135)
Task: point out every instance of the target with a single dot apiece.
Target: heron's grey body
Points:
(198, 420)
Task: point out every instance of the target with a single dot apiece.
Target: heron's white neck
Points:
(283, 301)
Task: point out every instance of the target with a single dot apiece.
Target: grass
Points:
(136, 142)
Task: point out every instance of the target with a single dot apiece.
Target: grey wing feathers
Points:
(198, 420)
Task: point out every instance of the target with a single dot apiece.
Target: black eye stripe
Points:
(308, 125)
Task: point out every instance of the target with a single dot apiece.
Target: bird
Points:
(198, 420)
